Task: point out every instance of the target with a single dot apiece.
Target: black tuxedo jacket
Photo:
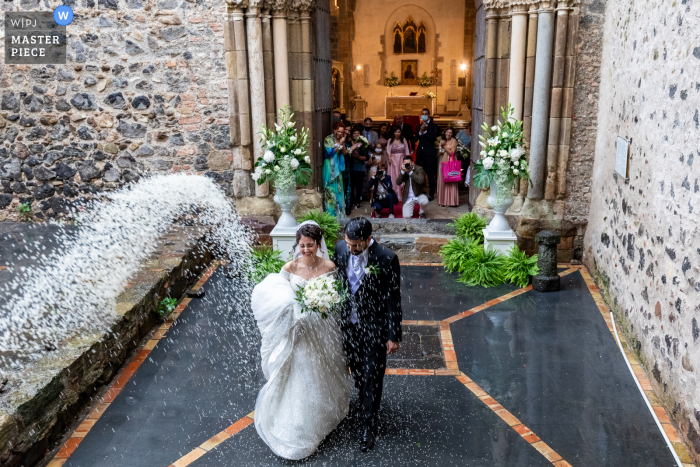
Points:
(425, 143)
(406, 133)
(379, 296)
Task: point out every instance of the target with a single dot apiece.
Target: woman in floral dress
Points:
(334, 151)
(397, 148)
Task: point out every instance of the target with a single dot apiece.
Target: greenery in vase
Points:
(470, 225)
(266, 260)
(167, 305)
(391, 81)
(503, 158)
(286, 160)
(329, 225)
(518, 267)
(425, 81)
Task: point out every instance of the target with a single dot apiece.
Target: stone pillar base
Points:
(501, 241)
(546, 283)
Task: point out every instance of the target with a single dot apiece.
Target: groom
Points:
(371, 318)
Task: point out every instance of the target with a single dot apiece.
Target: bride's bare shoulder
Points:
(328, 265)
(290, 266)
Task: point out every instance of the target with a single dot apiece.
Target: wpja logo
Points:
(36, 38)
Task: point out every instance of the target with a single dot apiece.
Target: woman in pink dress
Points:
(448, 193)
(397, 148)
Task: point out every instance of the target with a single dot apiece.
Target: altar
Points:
(407, 105)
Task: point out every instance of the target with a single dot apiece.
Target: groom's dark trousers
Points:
(378, 306)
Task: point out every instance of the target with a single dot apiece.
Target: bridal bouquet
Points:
(363, 141)
(323, 295)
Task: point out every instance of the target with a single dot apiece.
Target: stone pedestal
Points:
(498, 234)
(547, 280)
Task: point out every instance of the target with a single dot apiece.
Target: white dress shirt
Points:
(356, 272)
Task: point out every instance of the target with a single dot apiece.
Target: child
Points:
(382, 194)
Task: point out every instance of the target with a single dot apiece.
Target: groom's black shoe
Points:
(367, 442)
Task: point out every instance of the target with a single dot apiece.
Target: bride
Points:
(308, 384)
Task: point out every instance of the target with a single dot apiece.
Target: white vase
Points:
(498, 233)
(284, 234)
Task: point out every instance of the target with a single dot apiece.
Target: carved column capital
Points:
(278, 7)
(303, 5)
(237, 4)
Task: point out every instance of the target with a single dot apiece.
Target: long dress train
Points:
(308, 385)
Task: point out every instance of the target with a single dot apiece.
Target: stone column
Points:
(257, 82)
(490, 65)
(294, 46)
(547, 280)
(502, 63)
(279, 34)
(567, 104)
(518, 44)
(540, 101)
(239, 110)
(269, 71)
(529, 83)
(306, 71)
(558, 67)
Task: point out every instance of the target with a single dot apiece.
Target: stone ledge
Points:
(42, 401)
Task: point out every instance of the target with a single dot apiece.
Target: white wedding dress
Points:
(308, 384)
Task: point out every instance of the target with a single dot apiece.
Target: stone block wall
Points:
(143, 91)
(642, 240)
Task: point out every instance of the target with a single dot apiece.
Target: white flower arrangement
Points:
(322, 295)
(286, 154)
(503, 158)
(430, 95)
(363, 141)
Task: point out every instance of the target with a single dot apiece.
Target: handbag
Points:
(452, 170)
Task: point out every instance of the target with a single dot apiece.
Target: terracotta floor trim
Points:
(411, 263)
(123, 377)
(486, 305)
(639, 373)
(512, 421)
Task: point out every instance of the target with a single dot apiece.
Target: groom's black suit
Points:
(378, 302)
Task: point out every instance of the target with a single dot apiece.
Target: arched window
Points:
(410, 45)
(398, 39)
(421, 38)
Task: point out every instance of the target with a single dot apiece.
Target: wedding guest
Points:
(336, 116)
(397, 149)
(426, 153)
(382, 194)
(369, 133)
(406, 129)
(358, 154)
(448, 193)
(465, 137)
(375, 157)
(413, 178)
(347, 173)
(384, 136)
(334, 151)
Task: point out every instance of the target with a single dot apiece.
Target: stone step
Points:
(420, 248)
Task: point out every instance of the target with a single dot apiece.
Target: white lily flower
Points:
(494, 128)
(492, 153)
(290, 124)
(293, 139)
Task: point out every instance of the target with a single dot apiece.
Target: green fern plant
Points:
(484, 267)
(167, 305)
(518, 267)
(470, 225)
(25, 210)
(456, 252)
(329, 225)
(266, 260)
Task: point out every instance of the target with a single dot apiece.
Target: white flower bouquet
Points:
(363, 141)
(430, 95)
(503, 158)
(323, 295)
(286, 159)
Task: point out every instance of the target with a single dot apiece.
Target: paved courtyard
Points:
(487, 377)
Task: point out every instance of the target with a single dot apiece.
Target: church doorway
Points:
(392, 59)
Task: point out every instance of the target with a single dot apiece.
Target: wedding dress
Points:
(308, 384)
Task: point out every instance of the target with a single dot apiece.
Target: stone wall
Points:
(143, 91)
(642, 239)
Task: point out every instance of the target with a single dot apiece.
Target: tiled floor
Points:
(529, 379)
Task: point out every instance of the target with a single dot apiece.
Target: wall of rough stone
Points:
(642, 239)
(143, 91)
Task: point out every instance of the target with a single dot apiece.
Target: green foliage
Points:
(167, 305)
(425, 81)
(470, 225)
(266, 260)
(518, 267)
(391, 81)
(483, 267)
(329, 225)
(456, 252)
(25, 210)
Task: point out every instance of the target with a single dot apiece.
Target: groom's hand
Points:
(392, 347)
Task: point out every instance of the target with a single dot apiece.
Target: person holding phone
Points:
(413, 179)
(381, 191)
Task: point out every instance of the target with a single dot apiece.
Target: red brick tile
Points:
(531, 438)
(239, 425)
(546, 451)
(98, 411)
(661, 414)
(396, 371)
(190, 457)
(421, 372)
(68, 447)
(110, 395)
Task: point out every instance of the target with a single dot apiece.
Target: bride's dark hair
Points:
(311, 231)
